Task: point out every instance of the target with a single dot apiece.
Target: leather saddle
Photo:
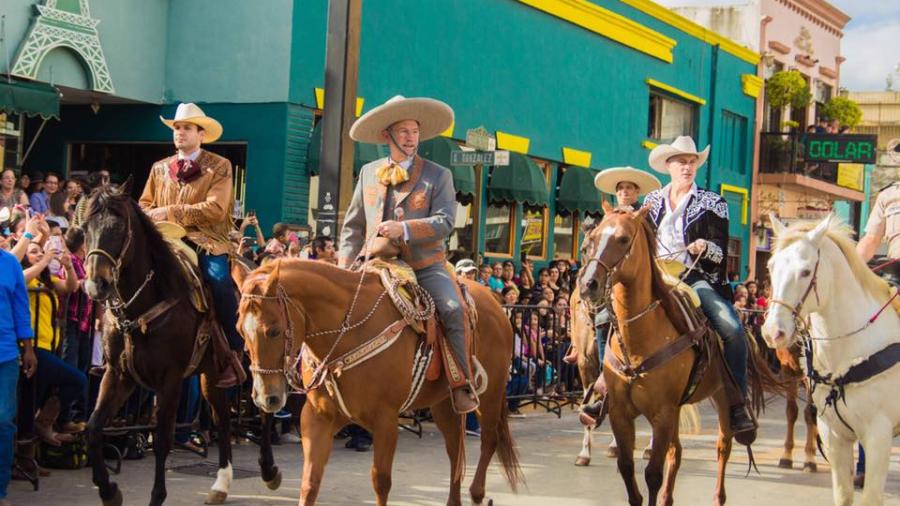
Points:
(399, 280)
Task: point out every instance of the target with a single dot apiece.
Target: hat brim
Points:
(212, 129)
(661, 154)
(607, 180)
(433, 116)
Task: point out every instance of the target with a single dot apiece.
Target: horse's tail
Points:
(506, 450)
(761, 378)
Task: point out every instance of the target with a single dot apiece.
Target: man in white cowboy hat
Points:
(412, 201)
(627, 184)
(692, 227)
(193, 188)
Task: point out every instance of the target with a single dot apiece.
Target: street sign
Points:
(496, 158)
(852, 148)
(479, 138)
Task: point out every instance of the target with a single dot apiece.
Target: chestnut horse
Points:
(131, 269)
(290, 305)
(621, 272)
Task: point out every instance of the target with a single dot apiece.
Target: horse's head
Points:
(107, 231)
(266, 320)
(796, 274)
(605, 251)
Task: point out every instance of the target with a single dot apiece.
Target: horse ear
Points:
(272, 279)
(777, 224)
(642, 212)
(607, 207)
(126, 186)
(815, 235)
(239, 273)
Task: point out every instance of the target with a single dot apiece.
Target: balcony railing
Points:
(813, 155)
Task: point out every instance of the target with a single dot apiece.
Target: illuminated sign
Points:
(841, 148)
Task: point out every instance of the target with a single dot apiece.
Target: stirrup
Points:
(465, 408)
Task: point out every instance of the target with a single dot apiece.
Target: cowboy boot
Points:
(231, 370)
(593, 413)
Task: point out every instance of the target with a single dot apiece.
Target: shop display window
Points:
(498, 229)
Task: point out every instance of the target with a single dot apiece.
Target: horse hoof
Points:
(115, 500)
(786, 463)
(646, 453)
(275, 483)
(810, 467)
(216, 497)
(612, 452)
(582, 461)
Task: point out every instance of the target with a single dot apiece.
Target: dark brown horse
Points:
(291, 303)
(132, 270)
(621, 271)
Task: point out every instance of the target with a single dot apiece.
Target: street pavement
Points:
(547, 447)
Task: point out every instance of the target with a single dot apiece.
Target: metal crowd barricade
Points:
(539, 376)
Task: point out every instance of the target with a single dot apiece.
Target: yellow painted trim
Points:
(745, 198)
(449, 131)
(512, 142)
(320, 101)
(649, 144)
(576, 157)
(687, 26)
(320, 98)
(609, 24)
(675, 91)
(751, 84)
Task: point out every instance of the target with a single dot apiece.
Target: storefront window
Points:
(534, 231)
(498, 228)
(9, 140)
(462, 243)
(669, 118)
(563, 236)
(733, 262)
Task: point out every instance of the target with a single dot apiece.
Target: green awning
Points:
(577, 192)
(520, 181)
(362, 153)
(438, 151)
(30, 99)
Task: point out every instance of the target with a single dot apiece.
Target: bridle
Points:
(610, 269)
(796, 314)
(287, 324)
(116, 302)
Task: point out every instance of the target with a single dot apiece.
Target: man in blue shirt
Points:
(15, 325)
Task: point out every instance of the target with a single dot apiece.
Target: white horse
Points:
(817, 275)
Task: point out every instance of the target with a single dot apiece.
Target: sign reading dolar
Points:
(841, 148)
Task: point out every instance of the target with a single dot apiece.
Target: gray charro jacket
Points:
(428, 200)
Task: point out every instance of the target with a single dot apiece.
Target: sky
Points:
(871, 40)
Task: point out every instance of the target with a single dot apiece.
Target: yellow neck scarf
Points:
(392, 174)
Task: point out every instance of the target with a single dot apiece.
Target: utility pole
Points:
(341, 74)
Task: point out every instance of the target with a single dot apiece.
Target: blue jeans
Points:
(725, 321)
(217, 274)
(77, 347)
(9, 377)
(53, 372)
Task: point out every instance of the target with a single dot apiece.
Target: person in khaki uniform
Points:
(883, 224)
(193, 188)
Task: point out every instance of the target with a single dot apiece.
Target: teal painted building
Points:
(569, 86)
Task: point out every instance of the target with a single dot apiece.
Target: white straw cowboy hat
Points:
(432, 115)
(191, 113)
(683, 145)
(607, 180)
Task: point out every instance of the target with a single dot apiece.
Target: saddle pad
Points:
(191, 273)
(671, 270)
(397, 269)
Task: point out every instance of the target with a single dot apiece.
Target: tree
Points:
(844, 110)
(788, 87)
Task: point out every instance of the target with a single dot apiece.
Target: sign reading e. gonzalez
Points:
(841, 148)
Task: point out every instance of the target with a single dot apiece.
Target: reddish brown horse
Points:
(794, 380)
(621, 271)
(291, 303)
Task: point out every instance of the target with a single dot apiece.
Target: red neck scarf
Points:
(184, 170)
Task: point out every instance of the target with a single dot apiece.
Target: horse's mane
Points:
(660, 287)
(842, 236)
(116, 200)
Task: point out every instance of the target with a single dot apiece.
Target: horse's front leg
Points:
(114, 390)
(166, 406)
(877, 444)
(318, 438)
(723, 444)
(665, 425)
(271, 476)
(812, 432)
(791, 410)
(840, 455)
(384, 441)
(221, 417)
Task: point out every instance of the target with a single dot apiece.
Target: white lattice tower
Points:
(54, 28)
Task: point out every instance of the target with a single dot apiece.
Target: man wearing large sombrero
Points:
(193, 189)
(412, 201)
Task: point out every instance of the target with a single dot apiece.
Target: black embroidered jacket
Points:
(706, 217)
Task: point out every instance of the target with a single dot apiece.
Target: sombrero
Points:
(191, 113)
(683, 145)
(433, 116)
(607, 180)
